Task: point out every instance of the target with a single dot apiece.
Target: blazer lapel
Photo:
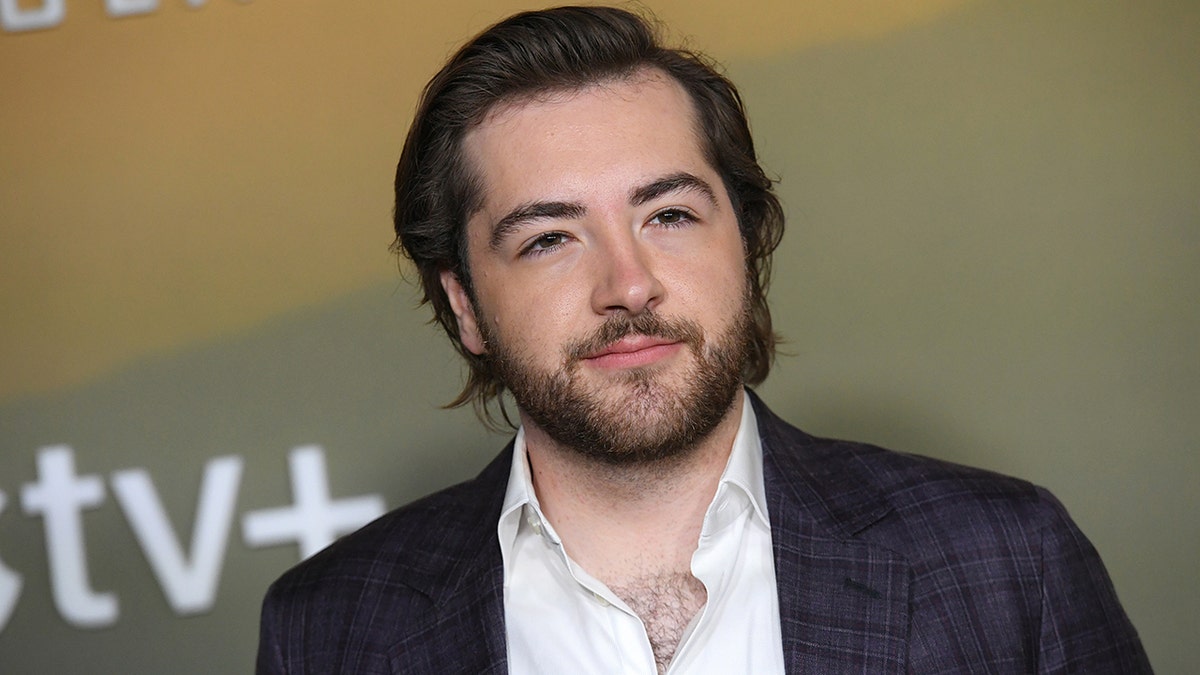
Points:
(843, 606)
(464, 630)
(463, 634)
(843, 601)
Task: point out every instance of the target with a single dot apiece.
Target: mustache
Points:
(622, 325)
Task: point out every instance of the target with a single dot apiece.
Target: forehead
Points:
(633, 86)
(614, 131)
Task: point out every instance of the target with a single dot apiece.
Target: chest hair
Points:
(666, 604)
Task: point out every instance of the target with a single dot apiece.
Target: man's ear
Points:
(464, 311)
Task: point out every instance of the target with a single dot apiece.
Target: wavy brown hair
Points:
(564, 49)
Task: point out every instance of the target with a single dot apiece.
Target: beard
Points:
(640, 416)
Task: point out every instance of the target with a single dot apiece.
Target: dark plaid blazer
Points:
(885, 563)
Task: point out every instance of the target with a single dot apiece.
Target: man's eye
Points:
(545, 242)
(672, 217)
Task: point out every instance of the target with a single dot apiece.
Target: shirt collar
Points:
(741, 481)
(518, 494)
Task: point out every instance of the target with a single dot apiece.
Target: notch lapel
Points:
(843, 600)
(463, 630)
(843, 605)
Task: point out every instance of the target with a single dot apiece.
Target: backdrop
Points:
(210, 365)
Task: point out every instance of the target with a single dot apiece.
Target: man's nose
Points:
(626, 279)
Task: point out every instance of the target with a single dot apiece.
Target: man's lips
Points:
(632, 351)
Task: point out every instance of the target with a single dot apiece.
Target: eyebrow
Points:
(531, 211)
(676, 182)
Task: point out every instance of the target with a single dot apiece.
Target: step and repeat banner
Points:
(211, 366)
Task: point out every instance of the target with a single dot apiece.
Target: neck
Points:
(623, 522)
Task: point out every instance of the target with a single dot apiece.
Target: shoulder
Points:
(410, 546)
(996, 566)
(943, 518)
(399, 548)
(359, 592)
(851, 487)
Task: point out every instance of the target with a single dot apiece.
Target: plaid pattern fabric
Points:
(419, 590)
(896, 563)
(885, 563)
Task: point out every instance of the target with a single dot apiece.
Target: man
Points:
(593, 231)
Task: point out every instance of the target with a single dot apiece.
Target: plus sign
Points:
(314, 520)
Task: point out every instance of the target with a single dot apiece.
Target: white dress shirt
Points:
(560, 619)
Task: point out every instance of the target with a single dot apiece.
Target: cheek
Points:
(537, 312)
(718, 274)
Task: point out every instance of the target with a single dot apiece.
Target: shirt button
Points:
(600, 599)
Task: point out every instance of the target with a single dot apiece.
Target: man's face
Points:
(608, 270)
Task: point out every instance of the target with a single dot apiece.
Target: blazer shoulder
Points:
(345, 608)
(852, 485)
(984, 544)
(413, 544)
(923, 508)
